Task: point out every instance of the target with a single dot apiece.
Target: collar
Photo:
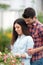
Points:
(33, 24)
(21, 36)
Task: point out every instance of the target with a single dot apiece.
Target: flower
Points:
(0, 53)
(9, 35)
(9, 59)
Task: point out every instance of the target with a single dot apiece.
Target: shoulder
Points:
(30, 40)
(40, 29)
(39, 25)
(29, 37)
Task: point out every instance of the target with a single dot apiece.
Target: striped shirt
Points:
(36, 31)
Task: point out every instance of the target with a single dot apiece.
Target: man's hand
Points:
(35, 50)
(31, 51)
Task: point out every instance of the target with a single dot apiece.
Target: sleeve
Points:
(30, 44)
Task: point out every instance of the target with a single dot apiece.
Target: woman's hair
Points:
(24, 27)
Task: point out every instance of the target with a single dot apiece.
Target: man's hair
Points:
(29, 13)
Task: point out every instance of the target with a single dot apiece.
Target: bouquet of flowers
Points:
(9, 59)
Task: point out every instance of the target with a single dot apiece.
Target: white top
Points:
(21, 45)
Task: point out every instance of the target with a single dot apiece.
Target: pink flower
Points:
(5, 58)
(22, 63)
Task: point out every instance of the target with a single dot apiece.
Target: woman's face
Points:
(18, 29)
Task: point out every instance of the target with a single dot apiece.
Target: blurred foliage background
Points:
(40, 17)
(5, 38)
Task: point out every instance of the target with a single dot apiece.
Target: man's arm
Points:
(35, 50)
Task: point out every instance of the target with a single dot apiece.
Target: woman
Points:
(21, 41)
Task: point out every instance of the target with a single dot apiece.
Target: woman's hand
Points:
(23, 56)
(17, 55)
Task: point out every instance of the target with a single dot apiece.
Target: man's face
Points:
(29, 21)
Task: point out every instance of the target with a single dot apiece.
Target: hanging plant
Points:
(4, 6)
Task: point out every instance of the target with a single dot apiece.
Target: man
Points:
(36, 31)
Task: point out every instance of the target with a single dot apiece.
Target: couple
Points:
(25, 31)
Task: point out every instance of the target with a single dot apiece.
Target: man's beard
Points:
(30, 24)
